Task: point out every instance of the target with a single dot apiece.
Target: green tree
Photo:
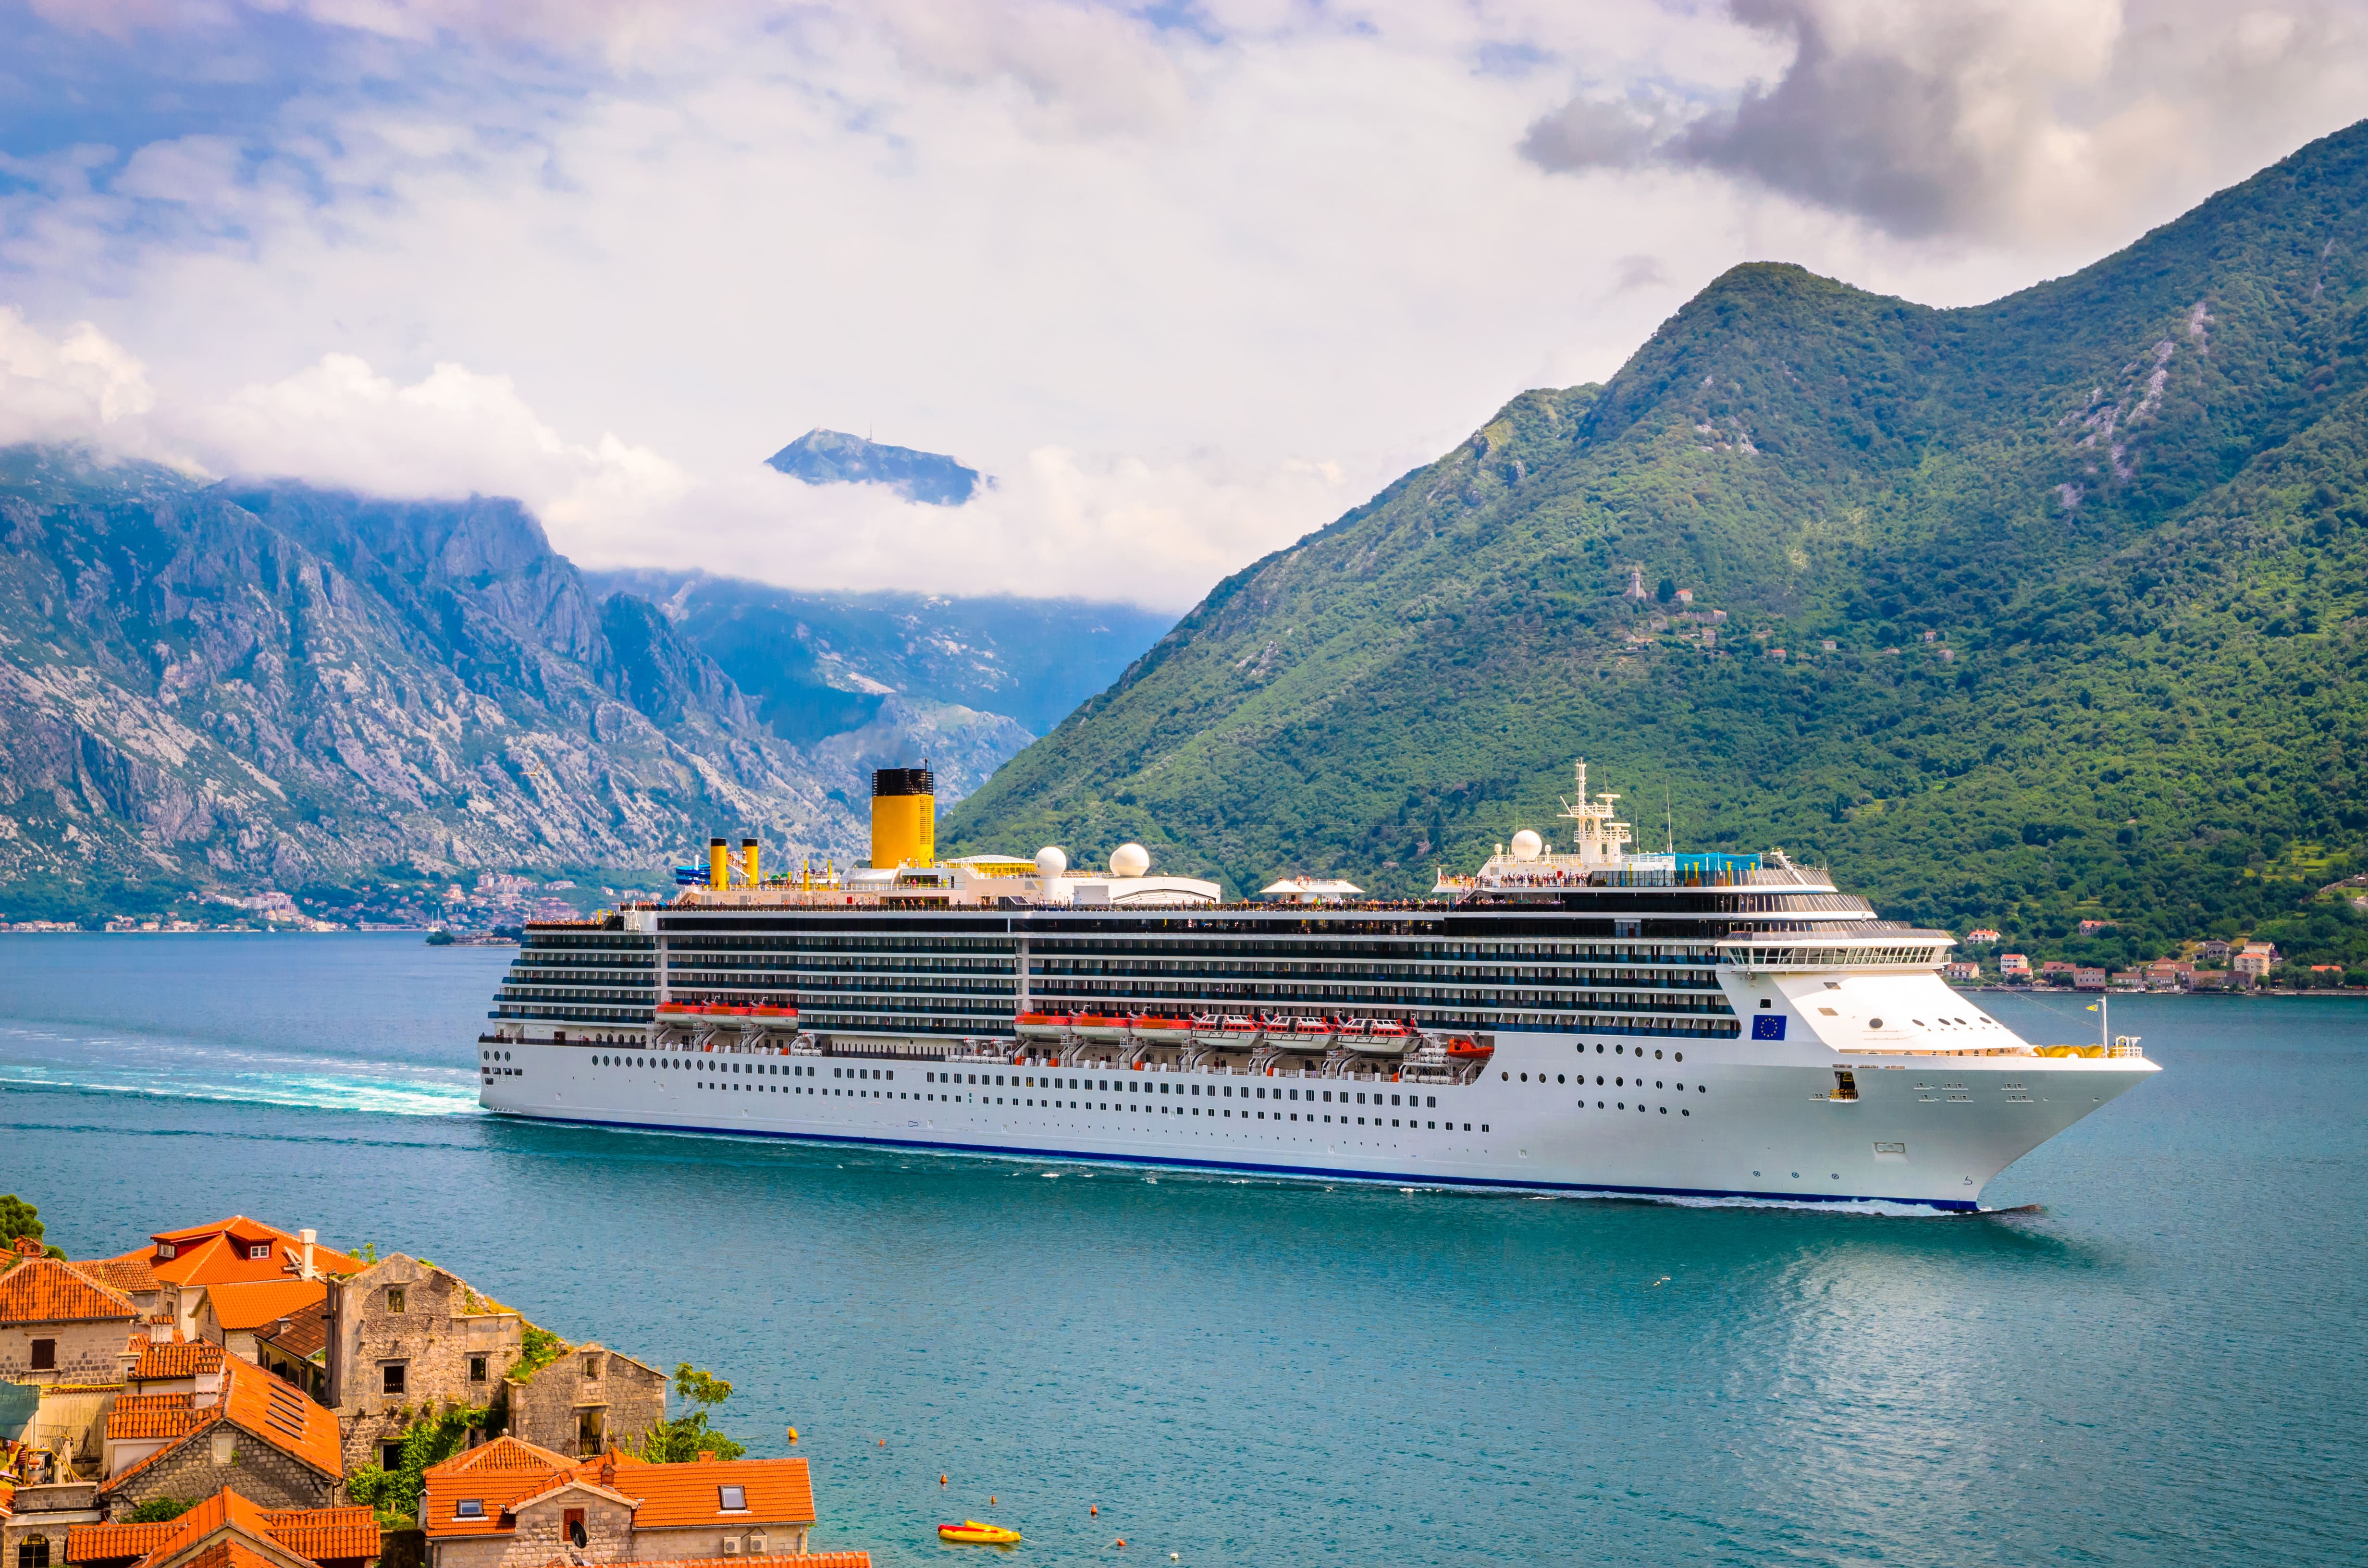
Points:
(159, 1510)
(394, 1493)
(1667, 591)
(686, 1437)
(18, 1218)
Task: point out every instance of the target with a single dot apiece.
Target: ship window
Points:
(1360, 1099)
(1432, 1102)
(1766, 1003)
(1682, 1056)
(1657, 1056)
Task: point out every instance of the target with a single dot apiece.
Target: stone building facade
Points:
(224, 1456)
(511, 1505)
(33, 1528)
(589, 1401)
(58, 1325)
(406, 1338)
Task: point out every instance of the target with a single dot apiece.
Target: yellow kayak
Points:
(977, 1534)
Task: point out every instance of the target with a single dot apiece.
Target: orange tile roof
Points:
(139, 1416)
(129, 1273)
(320, 1534)
(185, 1359)
(99, 1543)
(42, 1290)
(665, 1496)
(307, 1333)
(282, 1416)
(778, 1491)
(327, 1534)
(247, 1304)
(496, 1474)
(217, 1254)
(251, 1399)
(229, 1553)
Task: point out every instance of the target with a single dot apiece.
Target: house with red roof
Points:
(281, 1325)
(186, 1264)
(511, 1505)
(233, 1423)
(58, 1325)
(323, 1538)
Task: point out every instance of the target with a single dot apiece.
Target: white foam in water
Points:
(178, 1069)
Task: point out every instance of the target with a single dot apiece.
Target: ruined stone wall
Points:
(441, 1332)
(259, 1473)
(86, 1352)
(548, 1409)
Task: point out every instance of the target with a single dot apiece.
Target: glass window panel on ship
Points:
(956, 975)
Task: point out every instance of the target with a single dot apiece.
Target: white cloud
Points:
(76, 386)
(1189, 291)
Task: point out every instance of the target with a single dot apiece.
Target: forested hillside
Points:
(2066, 588)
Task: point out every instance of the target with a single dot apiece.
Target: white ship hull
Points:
(1731, 1119)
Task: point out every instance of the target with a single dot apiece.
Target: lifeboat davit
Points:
(972, 1532)
(1043, 1026)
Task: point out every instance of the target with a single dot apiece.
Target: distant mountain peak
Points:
(833, 456)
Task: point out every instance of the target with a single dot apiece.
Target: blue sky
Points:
(1190, 279)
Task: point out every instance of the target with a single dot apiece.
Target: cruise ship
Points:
(1570, 1018)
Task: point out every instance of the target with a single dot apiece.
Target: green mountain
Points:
(833, 456)
(2067, 589)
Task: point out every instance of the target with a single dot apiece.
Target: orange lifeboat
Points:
(1464, 1048)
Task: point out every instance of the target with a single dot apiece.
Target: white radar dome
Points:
(1130, 860)
(1051, 862)
(1527, 845)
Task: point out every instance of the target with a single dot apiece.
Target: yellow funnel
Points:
(748, 862)
(719, 864)
(904, 817)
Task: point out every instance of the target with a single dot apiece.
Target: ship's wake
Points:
(59, 1061)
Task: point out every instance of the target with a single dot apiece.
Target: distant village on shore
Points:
(2209, 965)
(235, 1396)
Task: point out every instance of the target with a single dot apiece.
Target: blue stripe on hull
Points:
(1426, 1179)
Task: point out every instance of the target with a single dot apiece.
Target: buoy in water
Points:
(1095, 1512)
(883, 1442)
(794, 1437)
(942, 1481)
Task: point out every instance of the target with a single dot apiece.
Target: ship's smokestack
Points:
(305, 1267)
(719, 864)
(904, 817)
(748, 862)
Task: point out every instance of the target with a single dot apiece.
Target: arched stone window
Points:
(33, 1552)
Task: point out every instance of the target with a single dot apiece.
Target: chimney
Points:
(304, 1269)
(748, 862)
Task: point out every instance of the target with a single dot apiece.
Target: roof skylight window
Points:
(731, 1499)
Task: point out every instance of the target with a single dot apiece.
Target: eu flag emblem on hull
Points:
(1768, 1025)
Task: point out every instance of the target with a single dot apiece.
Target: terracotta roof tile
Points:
(325, 1534)
(184, 1359)
(229, 1554)
(128, 1273)
(225, 1507)
(282, 1416)
(141, 1416)
(100, 1543)
(218, 1254)
(42, 1290)
(495, 1475)
(307, 1333)
(777, 1491)
(249, 1304)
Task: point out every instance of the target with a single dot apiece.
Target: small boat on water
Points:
(972, 1532)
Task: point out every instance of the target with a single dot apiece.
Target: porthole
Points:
(1558, 1078)
(1657, 1056)
(1682, 1056)
(1875, 1023)
(1507, 1077)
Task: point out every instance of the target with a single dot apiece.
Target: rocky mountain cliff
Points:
(2037, 611)
(250, 682)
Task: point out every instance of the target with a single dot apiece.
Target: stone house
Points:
(405, 1338)
(57, 1324)
(511, 1505)
(326, 1538)
(590, 1401)
(277, 1324)
(235, 1427)
(36, 1523)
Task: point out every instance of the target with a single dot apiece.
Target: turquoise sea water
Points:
(2163, 1366)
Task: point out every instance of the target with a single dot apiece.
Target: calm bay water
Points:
(2165, 1366)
